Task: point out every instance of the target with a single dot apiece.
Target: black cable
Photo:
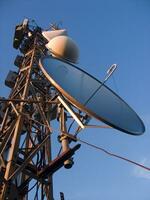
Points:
(59, 151)
(33, 187)
(70, 126)
(36, 194)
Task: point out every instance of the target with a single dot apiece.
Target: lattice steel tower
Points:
(25, 131)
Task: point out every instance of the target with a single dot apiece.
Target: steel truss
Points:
(25, 131)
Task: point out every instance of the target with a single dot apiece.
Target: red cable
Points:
(114, 155)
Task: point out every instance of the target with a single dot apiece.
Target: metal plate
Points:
(77, 86)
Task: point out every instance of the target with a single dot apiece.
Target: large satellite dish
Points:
(78, 86)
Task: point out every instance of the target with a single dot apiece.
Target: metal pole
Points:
(64, 139)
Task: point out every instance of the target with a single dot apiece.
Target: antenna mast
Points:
(25, 133)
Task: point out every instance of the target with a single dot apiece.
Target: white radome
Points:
(64, 47)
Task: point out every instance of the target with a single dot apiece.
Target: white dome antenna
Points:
(64, 47)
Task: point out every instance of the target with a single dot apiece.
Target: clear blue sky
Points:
(107, 31)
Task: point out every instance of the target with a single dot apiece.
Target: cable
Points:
(109, 153)
(70, 126)
(32, 187)
(36, 194)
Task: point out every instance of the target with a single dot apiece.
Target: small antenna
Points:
(55, 25)
(110, 71)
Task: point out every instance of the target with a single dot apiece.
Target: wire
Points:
(32, 187)
(70, 126)
(36, 194)
(109, 153)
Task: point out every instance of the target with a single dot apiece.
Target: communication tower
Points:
(40, 93)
